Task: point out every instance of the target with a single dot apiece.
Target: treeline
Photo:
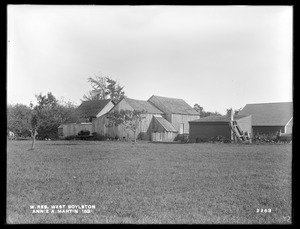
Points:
(204, 113)
(45, 117)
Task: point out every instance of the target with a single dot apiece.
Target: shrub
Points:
(72, 137)
(98, 136)
(84, 133)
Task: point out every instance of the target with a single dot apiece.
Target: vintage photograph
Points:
(157, 114)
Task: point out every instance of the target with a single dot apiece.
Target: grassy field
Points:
(150, 183)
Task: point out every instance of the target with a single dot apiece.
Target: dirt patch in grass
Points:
(150, 183)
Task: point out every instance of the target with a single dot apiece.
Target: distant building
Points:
(270, 118)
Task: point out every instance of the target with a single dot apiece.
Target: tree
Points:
(41, 120)
(34, 123)
(203, 113)
(128, 118)
(198, 108)
(18, 119)
(236, 111)
(104, 87)
(114, 90)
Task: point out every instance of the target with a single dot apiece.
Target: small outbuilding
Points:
(162, 130)
(209, 127)
(270, 118)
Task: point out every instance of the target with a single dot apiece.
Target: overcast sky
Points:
(216, 56)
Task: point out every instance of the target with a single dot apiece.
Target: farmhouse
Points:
(176, 111)
(270, 118)
(204, 128)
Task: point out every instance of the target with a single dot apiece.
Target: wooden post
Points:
(231, 125)
(33, 135)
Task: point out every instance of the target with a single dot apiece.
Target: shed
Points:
(270, 118)
(204, 128)
(162, 130)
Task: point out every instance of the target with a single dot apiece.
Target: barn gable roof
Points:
(269, 114)
(140, 105)
(92, 108)
(172, 105)
(165, 124)
(223, 118)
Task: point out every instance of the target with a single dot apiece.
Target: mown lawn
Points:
(150, 183)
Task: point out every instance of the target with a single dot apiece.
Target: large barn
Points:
(151, 123)
(208, 127)
(270, 118)
(166, 118)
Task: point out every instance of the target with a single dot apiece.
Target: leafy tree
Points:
(104, 87)
(128, 118)
(40, 120)
(204, 113)
(51, 113)
(18, 119)
(114, 90)
(198, 108)
(228, 111)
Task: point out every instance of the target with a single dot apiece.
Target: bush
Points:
(271, 137)
(83, 133)
(72, 137)
(98, 136)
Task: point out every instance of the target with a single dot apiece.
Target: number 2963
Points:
(263, 210)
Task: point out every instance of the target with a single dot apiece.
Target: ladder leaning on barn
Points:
(237, 133)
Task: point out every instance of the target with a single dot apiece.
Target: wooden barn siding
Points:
(60, 132)
(180, 118)
(203, 131)
(143, 131)
(163, 137)
(245, 124)
(289, 127)
(99, 125)
(160, 133)
(267, 129)
(74, 128)
(155, 126)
